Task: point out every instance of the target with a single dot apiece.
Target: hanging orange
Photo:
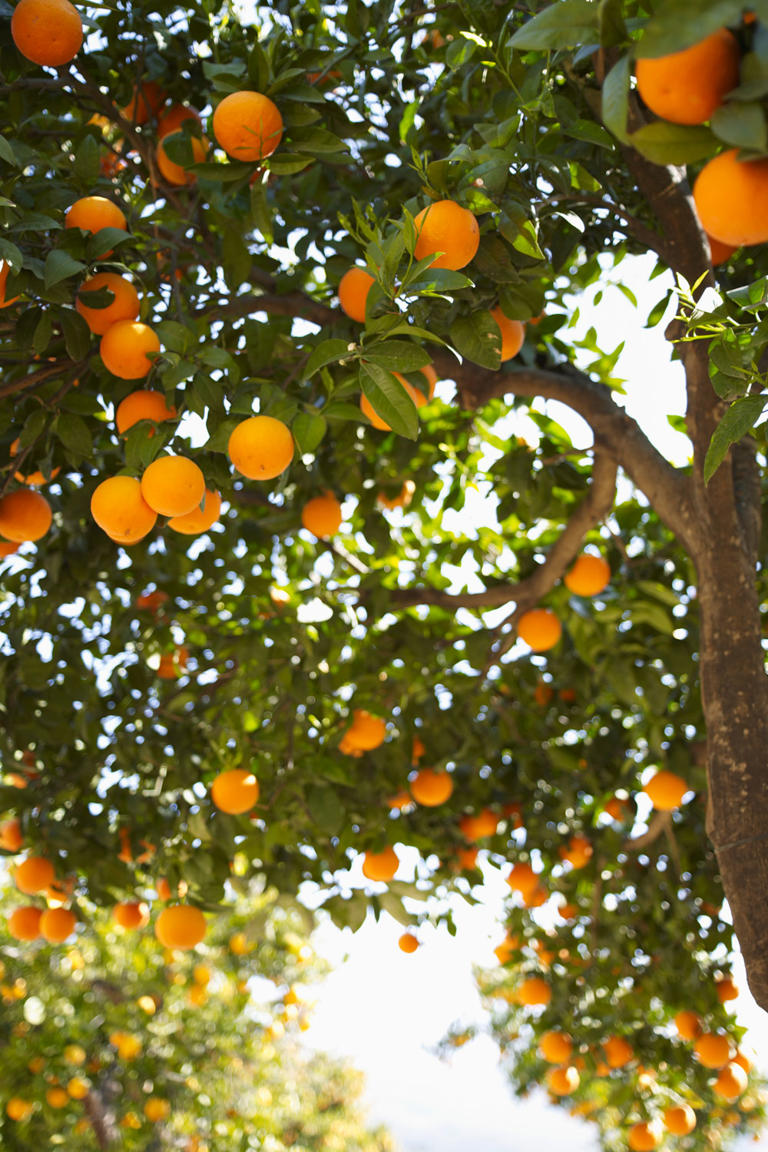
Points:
(143, 405)
(449, 230)
(180, 926)
(201, 518)
(540, 629)
(322, 515)
(173, 485)
(24, 516)
(235, 791)
(126, 347)
(47, 32)
(247, 125)
(380, 866)
(588, 576)
(261, 447)
(354, 287)
(121, 511)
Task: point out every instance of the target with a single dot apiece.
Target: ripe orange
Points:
(366, 731)
(578, 853)
(401, 500)
(687, 87)
(512, 334)
(479, 826)
(418, 749)
(322, 515)
(400, 800)
(618, 1051)
(131, 914)
(713, 1049)
(688, 1024)
(563, 1081)
(24, 923)
(536, 897)
(143, 405)
(124, 306)
(731, 1082)
(380, 866)
(11, 838)
(34, 874)
(522, 878)
(34, 479)
(173, 485)
(47, 32)
(589, 575)
(126, 347)
(533, 991)
(408, 942)
(157, 1109)
(467, 858)
(543, 693)
(507, 949)
(238, 944)
(200, 518)
(645, 1136)
(18, 1109)
(77, 1088)
(726, 989)
(24, 516)
(568, 911)
(92, 213)
(5, 269)
(556, 1047)
(680, 1119)
(540, 629)
(57, 1097)
(430, 788)
(446, 228)
(173, 119)
(172, 664)
(720, 252)
(152, 601)
(180, 926)
(56, 924)
(261, 447)
(147, 100)
(121, 511)
(666, 790)
(177, 174)
(354, 287)
(247, 125)
(731, 199)
(235, 791)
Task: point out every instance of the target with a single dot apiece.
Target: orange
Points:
(720, 252)
(201, 518)
(380, 865)
(568, 911)
(726, 989)
(589, 575)
(131, 914)
(578, 853)
(92, 213)
(57, 1097)
(143, 405)
(478, 827)
(533, 991)
(687, 87)
(152, 601)
(24, 923)
(556, 1047)
(512, 334)
(543, 693)
(400, 800)
(401, 500)
(124, 306)
(247, 125)
(180, 926)
(18, 1109)
(235, 791)
(47, 32)
(666, 790)
(430, 788)
(408, 942)
(731, 199)
(322, 515)
(125, 349)
(156, 1109)
(56, 924)
(11, 838)
(172, 664)
(128, 1046)
(418, 749)
(173, 119)
(33, 479)
(467, 858)
(743, 1061)
(34, 874)
(7, 549)
(77, 1088)
(563, 1081)
(238, 944)
(688, 1024)
(4, 271)
(173, 485)
(645, 1136)
(540, 629)
(366, 731)
(201, 974)
(448, 229)
(618, 1051)
(354, 287)
(177, 174)
(507, 949)
(148, 98)
(731, 1082)
(24, 516)
(261, 447)
(121, 511)
(536, 897)
(522, 878)
(713, 1049)
(680, 1119)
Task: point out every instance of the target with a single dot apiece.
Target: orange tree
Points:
(229, 500)
(111, 1041)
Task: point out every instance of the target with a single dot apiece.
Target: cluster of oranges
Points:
(540, 628)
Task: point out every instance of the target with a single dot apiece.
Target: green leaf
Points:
(615, 98)
(664, 143)
(676, 24)
(7, 153)
(260, 212)
(86, 165)
(319, 142)
(741, 125)
(566, 24)
(477, 338)
(389, 399)
(286, 163)
(59, 265)
(74, 434)
(329, 352)
(105, 240)
(397, 355)
(43, 332)
(308, 430)
(77, 335)
(740, 418)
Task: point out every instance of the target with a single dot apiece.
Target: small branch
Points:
(100, 1120)
(34, 378)
(290, 304)
(658, 824)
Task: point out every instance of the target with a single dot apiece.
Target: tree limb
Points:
(658, 824)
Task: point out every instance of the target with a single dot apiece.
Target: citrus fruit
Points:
(56, 924)
(720, 252)
(354, 287)
(18, 1108)
(5, 269)
(34, 874)
(57, 1097)
(24, 516)
(92, 213)
(688, 1024)
(380, 866)
(731, 198)
(687, 87)
(645, 1136)
(201, 518)
(408, 942)
(124, 305)
(180, 926)
(47, 32)
(156, 1109)
(401, 500)
(563, 1081)
(533, 991)
(726, 989)
(235, 791)
(366, 731)
(126, 347)
(522, 878)
(177, 174)
(430, 788)
(147, 100)
(578, 853)
(666, 790)
(131, 914)
(512, 334)
(172, 120)
(540, 629)
(247, 125)
(261, 447)
(731, 1082)
(448, 230)
(556, 1047)
(173, 485)
(33, 479)
(11, 838)
(713, 1049)
(322, 515)
(143, 405)
(24, 923)
(588, 576)
(680, 1119)
(121, 511)
(477, 827)
(618, 1051)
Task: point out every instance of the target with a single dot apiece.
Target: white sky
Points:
(385, 1009)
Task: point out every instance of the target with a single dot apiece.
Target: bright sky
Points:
(385, 1009)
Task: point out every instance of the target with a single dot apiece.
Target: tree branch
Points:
(658, 824)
